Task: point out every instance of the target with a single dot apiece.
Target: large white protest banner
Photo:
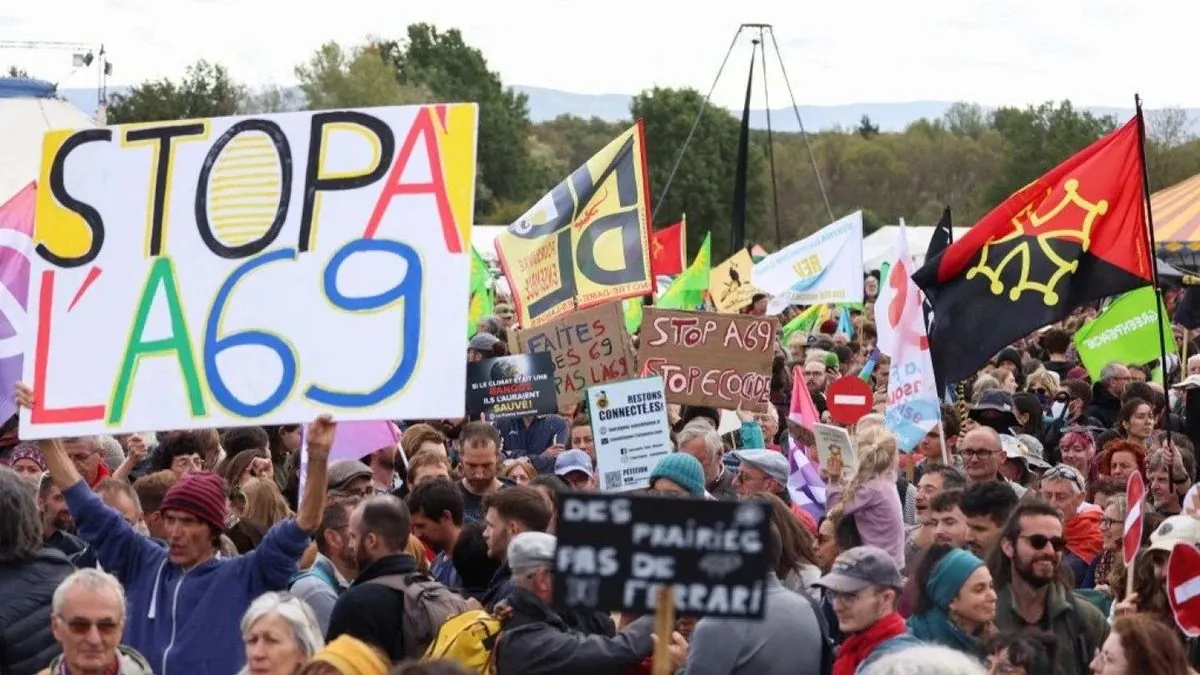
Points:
(824, 267)
(252, 270)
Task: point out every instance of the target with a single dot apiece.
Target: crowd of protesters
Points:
(994, 547)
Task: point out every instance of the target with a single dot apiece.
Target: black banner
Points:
(615, 552)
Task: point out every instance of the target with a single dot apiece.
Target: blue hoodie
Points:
(185, 623)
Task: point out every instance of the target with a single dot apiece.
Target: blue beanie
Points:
(949, 575)
(683, 470)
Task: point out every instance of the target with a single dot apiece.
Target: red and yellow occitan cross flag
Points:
(668, 254)
(1073, 236)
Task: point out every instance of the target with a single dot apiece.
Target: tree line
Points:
(970, 159)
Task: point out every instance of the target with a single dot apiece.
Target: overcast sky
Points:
(1094, 52)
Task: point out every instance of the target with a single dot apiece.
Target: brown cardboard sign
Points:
(588, 347)
(720, 360)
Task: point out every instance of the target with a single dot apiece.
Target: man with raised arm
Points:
(183, 603)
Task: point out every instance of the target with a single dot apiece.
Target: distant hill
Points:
(546, 104)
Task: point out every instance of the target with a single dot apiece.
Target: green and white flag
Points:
(1125, 332)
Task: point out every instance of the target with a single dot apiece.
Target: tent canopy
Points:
(879, 246)
(29, 108)
(1176, 213)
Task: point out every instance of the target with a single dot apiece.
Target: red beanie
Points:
(201, 495)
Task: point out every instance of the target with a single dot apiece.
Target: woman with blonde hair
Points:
(280, 634)
(870, 495)
(519, 470)
(265, 504)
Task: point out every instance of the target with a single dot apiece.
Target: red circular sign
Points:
(848, 399)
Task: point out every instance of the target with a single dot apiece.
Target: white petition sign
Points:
(629, 422)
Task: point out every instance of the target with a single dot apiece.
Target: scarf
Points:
(859, 646)
(1083, 535)
(102, 472)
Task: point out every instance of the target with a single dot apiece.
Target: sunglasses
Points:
(81, 626)
(1039, 541)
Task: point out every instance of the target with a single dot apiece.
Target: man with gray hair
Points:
(88, 457)
(1106, 394)
(31, 573)
(534, 640)
(700, 439)
(88, 620)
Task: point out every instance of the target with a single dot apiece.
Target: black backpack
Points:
(828, 648)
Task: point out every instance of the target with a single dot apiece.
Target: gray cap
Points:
(343, 471)
(531, 549)
(860, 567)
(1035, 451)
(483, 342)
(772, 463)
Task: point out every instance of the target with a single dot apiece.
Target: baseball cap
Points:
(573, 460)
(860, 567)
(343, 471)
(1174, 530)
(1034, 451)
(772, 463)
(483, 342)
(531, 549)
(994, 399)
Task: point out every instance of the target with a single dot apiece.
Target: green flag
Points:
(687, 291)
(1125, 332)
(481, 292)
(803, 322)
(632, 308)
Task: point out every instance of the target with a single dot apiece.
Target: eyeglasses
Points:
(81, 626)
(1107, 522)
(1039, 541)
(981, 453)
(80, 456)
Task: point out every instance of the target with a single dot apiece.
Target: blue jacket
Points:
(185, 623)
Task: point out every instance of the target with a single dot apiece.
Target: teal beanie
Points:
(683, 470)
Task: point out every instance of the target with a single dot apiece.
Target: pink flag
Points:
(16, 249)
(356, 439)
(803, 411)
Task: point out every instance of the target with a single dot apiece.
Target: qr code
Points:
(612, 480)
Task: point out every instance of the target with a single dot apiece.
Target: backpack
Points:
(318, 572)
(427, 605)
(469, 639)
(828, 647)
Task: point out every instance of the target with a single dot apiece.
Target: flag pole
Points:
(1162, 332)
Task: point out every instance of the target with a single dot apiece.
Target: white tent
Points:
(29, 108)
(879, 246)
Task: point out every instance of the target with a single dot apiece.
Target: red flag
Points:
(1135, 493)
(1074, 235)
(667, 249)
(1183, 587)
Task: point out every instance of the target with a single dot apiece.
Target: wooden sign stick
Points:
(664, 627)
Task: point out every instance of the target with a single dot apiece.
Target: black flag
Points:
(738, 237)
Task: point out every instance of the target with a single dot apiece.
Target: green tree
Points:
(335, 77)
(453, 71)
(866, 129)
(206, 90)
(14, 71)
(271, 98)
(1038, 139)
(703, 186)
(1172, 149)
(966, 119)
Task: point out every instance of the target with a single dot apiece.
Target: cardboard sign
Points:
(729, 283)
(251, 270)
(511, 386)
(719, 360)
(615, 552)
(587, 348)
(629, 420)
